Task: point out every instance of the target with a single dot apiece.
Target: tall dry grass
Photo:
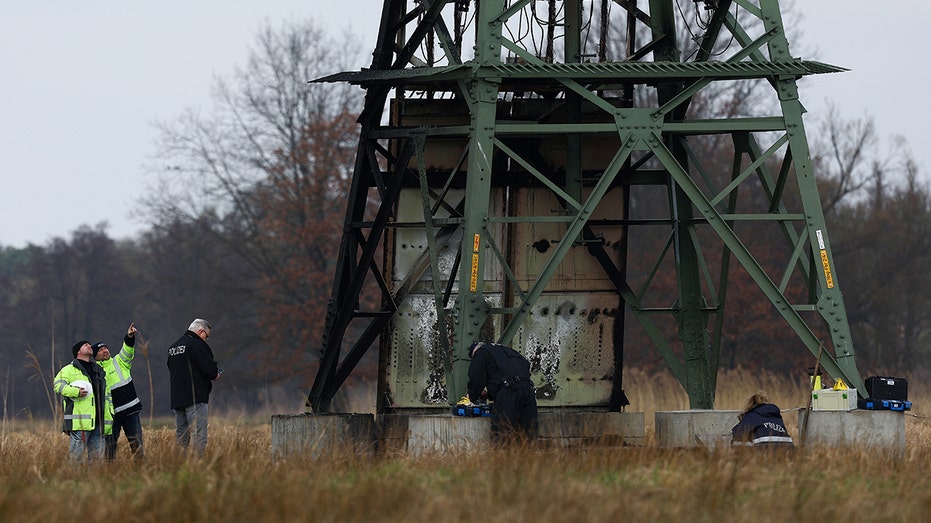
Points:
(238, 481)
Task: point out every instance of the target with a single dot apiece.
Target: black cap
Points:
(474, 346)
(97, 347)
(77, 347)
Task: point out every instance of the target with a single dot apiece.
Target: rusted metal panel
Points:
(410, 242)
(534, 242)
(441, 153)
(569, 340)
(569, 336)
(415, 376)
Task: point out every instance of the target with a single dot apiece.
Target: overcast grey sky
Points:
(82, 83)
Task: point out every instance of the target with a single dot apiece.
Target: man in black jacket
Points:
(192, 369)
(505, 373)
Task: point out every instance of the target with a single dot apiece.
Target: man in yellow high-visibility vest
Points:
(88, 411)
(126, 403)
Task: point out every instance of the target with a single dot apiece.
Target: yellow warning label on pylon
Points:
(827, 269)
(473, 281)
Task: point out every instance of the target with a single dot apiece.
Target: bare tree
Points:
(843, 162)
(213, 163)
(263, 171)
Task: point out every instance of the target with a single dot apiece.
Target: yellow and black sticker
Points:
(824, 259)
(827, 269)
(473, 281)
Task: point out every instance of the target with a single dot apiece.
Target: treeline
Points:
(90, 286)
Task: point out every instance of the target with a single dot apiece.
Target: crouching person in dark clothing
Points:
(761, 425)
(505, 373)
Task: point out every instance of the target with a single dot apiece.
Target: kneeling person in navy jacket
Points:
(761, 425)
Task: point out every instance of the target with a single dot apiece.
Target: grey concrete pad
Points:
(687, 428)
(422, 434)
(866, 428)
(318, 435)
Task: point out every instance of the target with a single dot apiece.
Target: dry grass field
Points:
(238, 481)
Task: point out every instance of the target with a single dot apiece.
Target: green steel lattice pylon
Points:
(480, 176)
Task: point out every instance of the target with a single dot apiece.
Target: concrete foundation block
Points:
(418, 435)
(421, 435)
(574, 429)
(880, 429)
(688, 428)
(317, 435)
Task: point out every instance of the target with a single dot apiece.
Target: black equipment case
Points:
(884, 388)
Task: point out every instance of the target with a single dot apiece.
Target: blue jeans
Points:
(85, 444)
(132, 426)
(192, 421)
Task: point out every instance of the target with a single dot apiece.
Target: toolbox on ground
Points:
(885, 388)
(828, 399)
(877, 404)
(471, 411)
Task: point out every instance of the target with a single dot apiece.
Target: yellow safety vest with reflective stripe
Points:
(120, 381)
(80, 412)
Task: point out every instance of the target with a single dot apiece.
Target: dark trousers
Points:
(514, 414)
(132, 426)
